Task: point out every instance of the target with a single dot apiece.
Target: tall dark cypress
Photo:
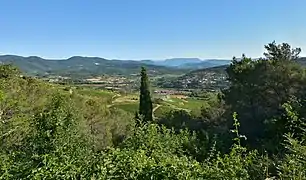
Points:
(145, 101)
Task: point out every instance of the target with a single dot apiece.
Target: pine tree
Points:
(145, 102)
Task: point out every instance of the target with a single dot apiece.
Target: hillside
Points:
(91, 66)
(302, 61)
(83, 66)
(206, 78)
(209, 78)
(221, 68)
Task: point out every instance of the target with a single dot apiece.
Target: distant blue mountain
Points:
(180, 61)
(188, 63)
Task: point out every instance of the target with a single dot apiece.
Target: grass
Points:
(96, 92)
(130, 98)
(190, 104)
(129, 107)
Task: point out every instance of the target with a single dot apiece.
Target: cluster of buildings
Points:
(171, 92)
(202, 80)
(55, 79)
(108, 80)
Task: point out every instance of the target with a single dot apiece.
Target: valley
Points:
(60, 124)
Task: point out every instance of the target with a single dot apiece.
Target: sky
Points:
(149, 29)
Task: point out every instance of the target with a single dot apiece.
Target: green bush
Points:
(294, 164)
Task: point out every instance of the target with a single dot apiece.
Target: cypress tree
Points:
(145, 102)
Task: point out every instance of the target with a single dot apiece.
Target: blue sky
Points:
(149, 29)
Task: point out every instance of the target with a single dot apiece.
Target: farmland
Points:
(129, 102)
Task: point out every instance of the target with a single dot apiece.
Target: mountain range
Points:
(79, 66)
(90, 66)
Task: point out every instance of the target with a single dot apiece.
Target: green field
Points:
(130, 102)
(189, 104)
(129, 107)
(162, 110)
(96, 92)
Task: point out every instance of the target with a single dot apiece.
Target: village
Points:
(182, 85)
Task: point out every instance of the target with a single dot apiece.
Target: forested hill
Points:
(302, 61)
(221, 69)
(207, 78)
(83, 66)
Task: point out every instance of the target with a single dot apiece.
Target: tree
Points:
(281, 52)
(259, 88)
(8, 70)
(145, 101)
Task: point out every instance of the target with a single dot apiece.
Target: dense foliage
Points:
(260, 88)
(50, 131)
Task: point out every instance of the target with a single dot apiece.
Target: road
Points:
(154, 109)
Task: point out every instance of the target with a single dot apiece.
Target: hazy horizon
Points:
(112, 58)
